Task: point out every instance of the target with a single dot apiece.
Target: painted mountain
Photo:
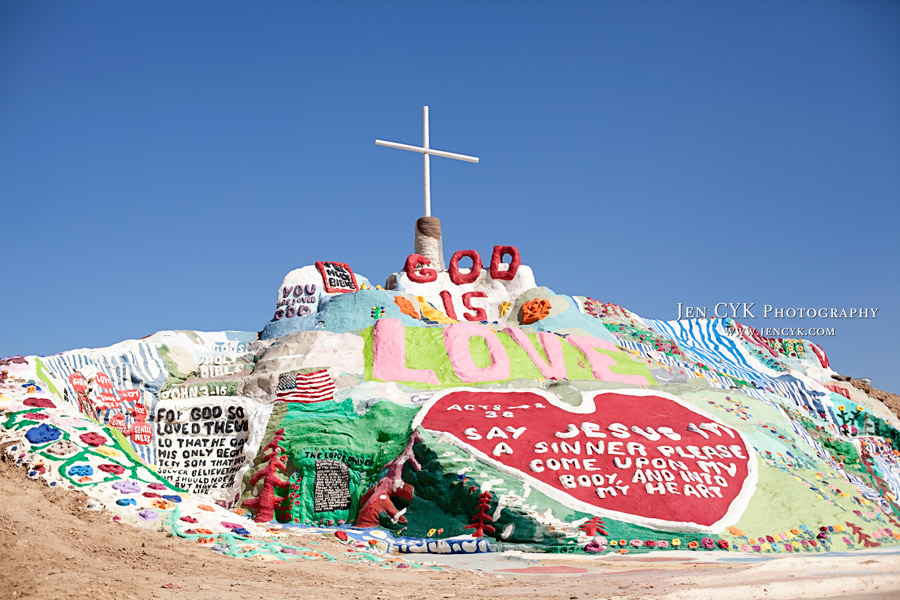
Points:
(464, 410)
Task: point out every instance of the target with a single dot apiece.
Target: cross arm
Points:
(429, 151)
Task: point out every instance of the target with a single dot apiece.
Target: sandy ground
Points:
(52, 546)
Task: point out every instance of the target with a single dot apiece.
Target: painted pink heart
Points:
(642, 456)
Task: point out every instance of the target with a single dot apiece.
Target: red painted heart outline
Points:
(702, 514)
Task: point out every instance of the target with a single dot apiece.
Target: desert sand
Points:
(53, 546)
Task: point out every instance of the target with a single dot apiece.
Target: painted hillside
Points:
(464, 409)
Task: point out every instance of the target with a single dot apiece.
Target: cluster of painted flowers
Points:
(803, 539)
(599, 544)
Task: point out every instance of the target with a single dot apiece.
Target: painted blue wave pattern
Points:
(136, 365)
(707, 341)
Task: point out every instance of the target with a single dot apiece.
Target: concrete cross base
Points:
(428, 241)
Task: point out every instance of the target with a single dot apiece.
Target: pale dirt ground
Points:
(51, 547)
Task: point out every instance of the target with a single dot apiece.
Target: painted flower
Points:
(110, 452)
(841, 408)
(746, 548)
(723, 544)
(127, 487)
(93, 439)
(735, 531)
(662, 544)
(708, 543)
(637, 543)
(676, 542)
(692, 544)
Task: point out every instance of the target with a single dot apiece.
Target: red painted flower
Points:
(92, 439)
(39, 403)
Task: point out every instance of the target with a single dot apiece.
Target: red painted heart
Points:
(641, 456)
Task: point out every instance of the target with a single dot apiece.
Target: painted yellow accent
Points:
(432, 314)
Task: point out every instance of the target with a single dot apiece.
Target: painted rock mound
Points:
(468, 410)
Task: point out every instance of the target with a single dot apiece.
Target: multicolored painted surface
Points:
(464, 412)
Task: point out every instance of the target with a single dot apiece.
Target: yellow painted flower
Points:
(108, 451)
(858, 407)
(676, 542)
(504, 307)
(841, 407)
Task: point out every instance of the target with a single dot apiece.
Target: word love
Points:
(389, 354)
(641, 456)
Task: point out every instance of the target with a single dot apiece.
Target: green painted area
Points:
(425, 350)
(41, 372)
(782, 502)
(240, 546)
(173, 373)
(447, 490)
(87, 454)
(335, 432)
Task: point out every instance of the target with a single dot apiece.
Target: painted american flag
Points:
(305, 387)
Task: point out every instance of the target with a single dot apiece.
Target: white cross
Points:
(427, 152)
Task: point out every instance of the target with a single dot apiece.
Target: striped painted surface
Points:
(133, 365)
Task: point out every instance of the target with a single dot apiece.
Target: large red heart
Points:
(641, 456)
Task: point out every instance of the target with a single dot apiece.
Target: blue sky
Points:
(163, 165)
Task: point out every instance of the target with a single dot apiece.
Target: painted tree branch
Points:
(378, 499)
(481, 518)
(264, 503)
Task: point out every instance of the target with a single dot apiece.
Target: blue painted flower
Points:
(81, 471)
(42, 434)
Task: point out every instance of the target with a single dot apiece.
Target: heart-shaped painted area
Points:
(642, 456)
